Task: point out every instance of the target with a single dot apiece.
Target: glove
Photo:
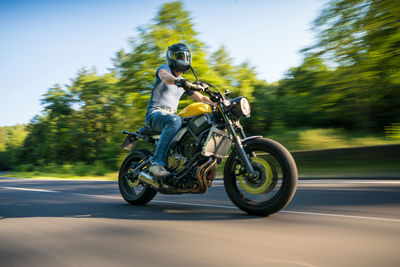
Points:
(188, 86)
(181, 82)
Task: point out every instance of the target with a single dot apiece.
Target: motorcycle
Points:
(260, 175)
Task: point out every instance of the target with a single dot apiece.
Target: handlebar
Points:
(215, 96)
(188, 86)
(196, 87)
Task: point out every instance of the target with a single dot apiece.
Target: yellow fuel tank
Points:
(195, 109)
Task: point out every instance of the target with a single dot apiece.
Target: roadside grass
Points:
(80, 170)
(111, 176)
(327, 138)
(348, 168)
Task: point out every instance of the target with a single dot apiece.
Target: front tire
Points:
(130, 188)
(275, 185)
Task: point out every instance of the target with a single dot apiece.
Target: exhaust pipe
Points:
(148, 179)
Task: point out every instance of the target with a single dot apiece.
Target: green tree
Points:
(57, 106)
(136, 69)
(361, 39)
(97, 99)
(37, 144)
(305, 96)
(224, 71)
(11, 141)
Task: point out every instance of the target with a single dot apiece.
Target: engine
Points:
(194, 152)
(176, 161)
(198, 136)
(189, 140)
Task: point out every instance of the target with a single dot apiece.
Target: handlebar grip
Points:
(195, 87)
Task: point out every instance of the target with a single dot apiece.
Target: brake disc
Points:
(264, 180)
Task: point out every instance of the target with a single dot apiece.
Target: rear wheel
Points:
(275, 184)
(129, 186)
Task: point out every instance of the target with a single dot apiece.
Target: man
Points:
(161, 111)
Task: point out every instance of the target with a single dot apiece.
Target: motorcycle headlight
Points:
(240, 107)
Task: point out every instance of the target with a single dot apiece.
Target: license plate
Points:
(130, 142)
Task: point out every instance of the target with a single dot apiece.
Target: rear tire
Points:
(130, 188)
(273, 190)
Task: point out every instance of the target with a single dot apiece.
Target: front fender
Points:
(250, 138)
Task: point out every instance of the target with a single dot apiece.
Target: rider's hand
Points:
(203, 85)
(181, 82)
(188, 86)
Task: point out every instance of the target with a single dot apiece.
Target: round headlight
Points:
(240, 107)
(245, 106)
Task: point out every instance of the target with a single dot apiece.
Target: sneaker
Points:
(158, 170)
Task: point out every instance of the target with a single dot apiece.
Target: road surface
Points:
(87, 223)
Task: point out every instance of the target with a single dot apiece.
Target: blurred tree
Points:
(224, 70)
(263, 108)
(136, 69)
(57, 106)
(11, 142)
(361, 39)
(97, 100)
(245, 80)
(36, 146)
(305, 96)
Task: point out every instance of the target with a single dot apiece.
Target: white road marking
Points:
(29, 189)
(98, 196)
(218, 183)
(347, 182)
(284, 211)
(210, 205)
(342, 216)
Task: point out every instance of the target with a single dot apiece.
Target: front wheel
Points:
(129, 185)
(276, 180)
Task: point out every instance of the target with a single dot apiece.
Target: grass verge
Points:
(112, 176)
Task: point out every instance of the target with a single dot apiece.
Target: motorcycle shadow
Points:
(176, 212)
(122, 211)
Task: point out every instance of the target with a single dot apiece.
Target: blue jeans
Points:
(169, 124)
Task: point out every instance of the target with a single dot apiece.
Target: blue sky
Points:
(47, 42)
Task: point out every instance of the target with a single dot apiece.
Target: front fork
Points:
(239, 147)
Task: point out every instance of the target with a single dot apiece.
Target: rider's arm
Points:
(166, 77)
(201, 98)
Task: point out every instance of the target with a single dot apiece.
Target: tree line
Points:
(349, 79)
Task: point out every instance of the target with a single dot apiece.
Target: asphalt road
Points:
(87, 223)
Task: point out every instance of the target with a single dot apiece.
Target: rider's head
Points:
(178, 52)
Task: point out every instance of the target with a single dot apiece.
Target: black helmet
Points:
(179, 52)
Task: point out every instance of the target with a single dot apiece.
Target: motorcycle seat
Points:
(147, 131)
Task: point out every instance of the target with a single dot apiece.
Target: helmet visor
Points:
(182, 55)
